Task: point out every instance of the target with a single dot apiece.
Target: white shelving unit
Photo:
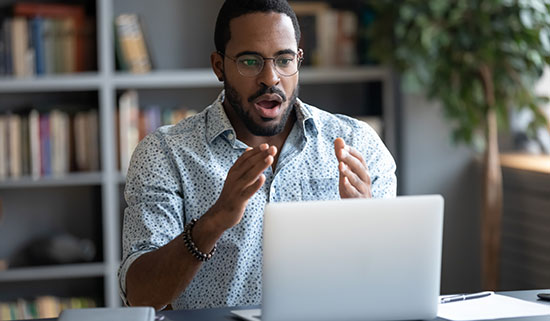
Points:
(107, 82)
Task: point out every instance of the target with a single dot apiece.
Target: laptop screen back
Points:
(352, 259)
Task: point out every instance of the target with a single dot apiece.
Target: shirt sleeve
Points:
(380, 162)
(155, 214)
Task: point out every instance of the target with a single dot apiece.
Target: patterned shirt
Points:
(177, 173)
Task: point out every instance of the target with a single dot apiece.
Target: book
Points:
(19, 45)
(14, 133)
(75, 31)
(59, 140)
(49, 43)
(67, 45)
(329, 36)
(37, 36)
(128, 127)
(25, 146)
(2, 48)
(7, 32)
(309, 16)
(133, 49)
(92, 141)
(45, 152)
(34, 141)
(42, 307)
(4, 151)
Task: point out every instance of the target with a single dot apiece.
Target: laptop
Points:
(353, 259)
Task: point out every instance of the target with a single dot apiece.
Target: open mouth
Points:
(268, 106)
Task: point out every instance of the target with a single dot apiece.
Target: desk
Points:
(224, 314)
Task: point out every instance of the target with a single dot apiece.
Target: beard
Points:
(260, 129)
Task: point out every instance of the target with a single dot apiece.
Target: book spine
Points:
(7, 26)
(34, 140)
(48, 39)
(2, 50)
(4, 152)
(92, 120)
(129, 123)
(15, 145)
(19, 43)
(45, 156)
(132, 43)
(37, 27)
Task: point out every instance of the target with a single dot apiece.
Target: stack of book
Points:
(46, 38)
(53, 143)
(329, 36)
(42, 307)
(134, 123)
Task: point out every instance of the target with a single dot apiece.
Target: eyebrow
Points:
(280, 52)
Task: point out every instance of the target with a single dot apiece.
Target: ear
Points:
(216, 60)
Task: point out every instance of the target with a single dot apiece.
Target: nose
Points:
(268, 77)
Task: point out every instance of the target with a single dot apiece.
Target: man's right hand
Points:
(244, 179)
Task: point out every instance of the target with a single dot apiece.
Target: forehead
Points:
(265, 33)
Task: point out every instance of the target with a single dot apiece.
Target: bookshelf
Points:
(180, 76)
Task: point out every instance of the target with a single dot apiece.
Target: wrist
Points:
(206, 232)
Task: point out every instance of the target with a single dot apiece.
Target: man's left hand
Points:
(354, 180)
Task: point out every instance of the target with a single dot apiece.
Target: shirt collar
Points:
(217, 122)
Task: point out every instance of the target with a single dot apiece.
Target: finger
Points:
(246, 162)
(249, 177)
(355, 153)
(254, 187)
(356, 163)
(347, 190)
(250, 152)
(339, 145)
(353, 178)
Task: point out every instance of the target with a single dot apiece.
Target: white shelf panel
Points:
(69, 271)
(334, 75)
(68, 82)
(73, 179)
(192, 78)
(205, 78)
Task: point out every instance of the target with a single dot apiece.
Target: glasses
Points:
(251, 65)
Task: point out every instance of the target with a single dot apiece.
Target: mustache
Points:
(267, 90)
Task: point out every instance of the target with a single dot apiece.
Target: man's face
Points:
(262, 103)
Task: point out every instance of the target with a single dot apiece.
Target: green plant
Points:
(480, 58)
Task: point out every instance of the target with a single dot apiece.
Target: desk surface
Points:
(223, 314)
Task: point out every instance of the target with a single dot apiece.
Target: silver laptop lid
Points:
(352, 259)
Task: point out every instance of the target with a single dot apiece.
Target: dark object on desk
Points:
(544, 296)
(56, 249)
(101, 314)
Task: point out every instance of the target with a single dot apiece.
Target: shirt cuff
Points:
(123, 270)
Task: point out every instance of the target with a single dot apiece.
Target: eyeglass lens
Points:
(252, 65)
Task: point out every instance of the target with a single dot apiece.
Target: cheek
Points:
(289, 85)
(242, 86)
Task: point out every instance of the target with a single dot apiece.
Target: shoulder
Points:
(331, 125)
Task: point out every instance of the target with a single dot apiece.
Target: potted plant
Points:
(480, 59)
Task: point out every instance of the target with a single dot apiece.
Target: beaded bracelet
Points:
(193, 249)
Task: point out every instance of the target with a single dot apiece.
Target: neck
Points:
(244, 135)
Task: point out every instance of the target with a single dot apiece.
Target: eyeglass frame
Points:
(299, 56)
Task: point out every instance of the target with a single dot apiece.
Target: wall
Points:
(432, 164)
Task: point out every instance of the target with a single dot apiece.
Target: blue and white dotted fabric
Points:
(177, 173)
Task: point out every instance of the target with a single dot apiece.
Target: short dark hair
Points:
(235, 8)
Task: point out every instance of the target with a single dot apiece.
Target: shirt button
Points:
(230, 136)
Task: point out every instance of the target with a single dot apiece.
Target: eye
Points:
(249, 61)
(284, 61)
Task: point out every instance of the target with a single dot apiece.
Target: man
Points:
(196, 190)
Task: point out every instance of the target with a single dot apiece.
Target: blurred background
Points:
(81, 82)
